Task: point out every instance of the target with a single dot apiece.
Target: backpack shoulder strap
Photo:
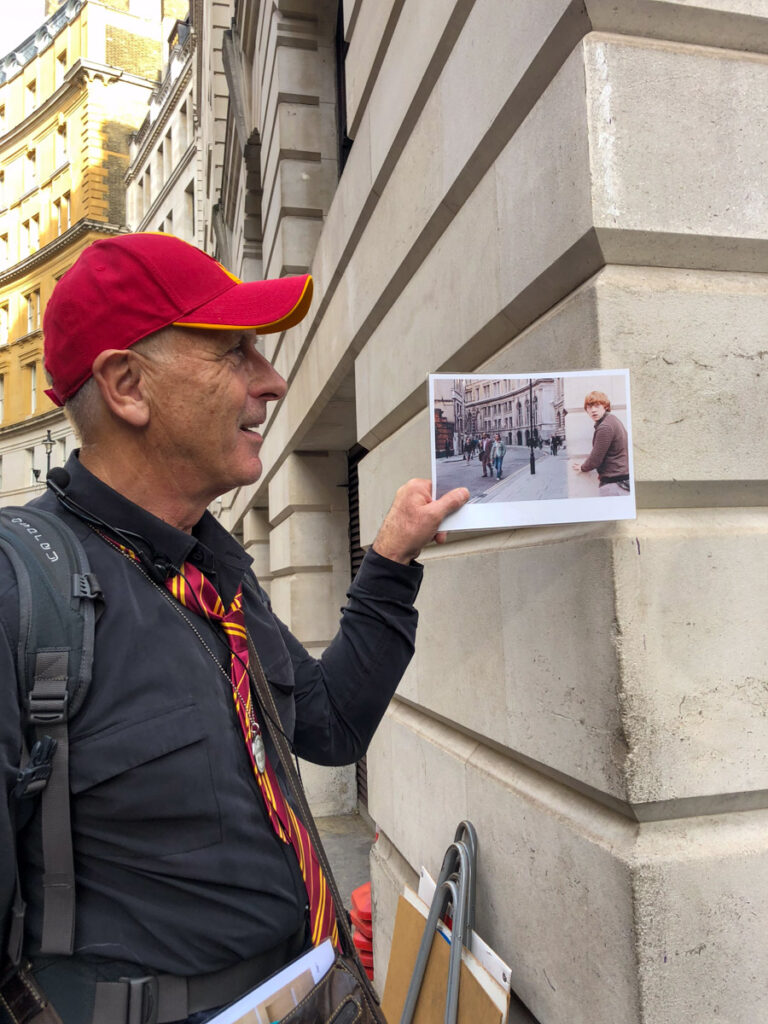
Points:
(57, 594)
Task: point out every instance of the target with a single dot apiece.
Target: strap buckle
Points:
(85, 585)
(48, 708)
(142, 1002)
(34, 776)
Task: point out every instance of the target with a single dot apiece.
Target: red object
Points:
(362, 920)
(361, 902)
(364, 927)
(367, 960)
(124, 288)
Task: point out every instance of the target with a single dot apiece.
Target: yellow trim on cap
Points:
(227, 272)
(294, 316)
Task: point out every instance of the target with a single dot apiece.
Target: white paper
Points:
(491, 961)
(278, 995)
(543, 423)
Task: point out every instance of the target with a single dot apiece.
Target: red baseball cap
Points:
(124, 288)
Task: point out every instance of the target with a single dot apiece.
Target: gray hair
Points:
(84, 408)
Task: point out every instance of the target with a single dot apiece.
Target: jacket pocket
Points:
(146, 789)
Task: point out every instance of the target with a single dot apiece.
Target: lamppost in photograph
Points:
(48, 444)
(530, 425)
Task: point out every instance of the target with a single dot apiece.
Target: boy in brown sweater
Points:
(609, 455)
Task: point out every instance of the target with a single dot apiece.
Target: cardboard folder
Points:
(481, 999)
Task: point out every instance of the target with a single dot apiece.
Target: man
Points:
(485, 455)
(498, 451)
(609, 455)
(179, 863)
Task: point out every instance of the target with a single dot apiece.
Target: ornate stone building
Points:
(518, 410)
(162, 180)
(449, 416)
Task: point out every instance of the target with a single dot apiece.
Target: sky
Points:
(19, 19)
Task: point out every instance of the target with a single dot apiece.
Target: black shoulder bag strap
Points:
(267, 702)
(57, 594)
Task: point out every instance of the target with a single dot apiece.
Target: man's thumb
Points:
(452, 501)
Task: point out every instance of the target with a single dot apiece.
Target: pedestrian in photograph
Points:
(498, 451)
(485, 455)
(610, 452)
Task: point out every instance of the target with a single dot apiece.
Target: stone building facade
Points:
(448, 400)
(519, 410)
(536, 187)
(71, 95)
(162, 179)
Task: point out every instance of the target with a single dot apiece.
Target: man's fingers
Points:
(415, 519)
(451, 502)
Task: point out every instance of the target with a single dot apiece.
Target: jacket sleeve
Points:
(341, 697)
(600, 445)
(10, 742)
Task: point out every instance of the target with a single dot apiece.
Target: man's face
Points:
(209, 396)
(596, 411)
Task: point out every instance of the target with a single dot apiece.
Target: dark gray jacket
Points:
(177, 866)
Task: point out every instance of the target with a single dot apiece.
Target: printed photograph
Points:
(280, 1003)
(533, 449)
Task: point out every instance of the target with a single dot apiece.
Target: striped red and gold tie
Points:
(198, 594)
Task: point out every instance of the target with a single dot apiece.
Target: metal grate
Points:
(356, 554)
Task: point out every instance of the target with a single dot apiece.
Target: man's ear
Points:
(118, 374)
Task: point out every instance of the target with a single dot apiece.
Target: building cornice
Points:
(231, 48)
(44, 419)
(54, 247)
(495, 399)
(146, 141)
(12, 63)
(77, 77)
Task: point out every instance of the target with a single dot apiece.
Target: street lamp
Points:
(530, 425)
(48, 444)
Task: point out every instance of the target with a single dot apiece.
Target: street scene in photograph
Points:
(534, 439)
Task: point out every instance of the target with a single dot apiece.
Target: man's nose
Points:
(266, 382)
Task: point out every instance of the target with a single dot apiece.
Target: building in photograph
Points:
(71, 95)
(449, 417)
(519, 410)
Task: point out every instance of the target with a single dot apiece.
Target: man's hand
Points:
(414, 519)
(576, 467)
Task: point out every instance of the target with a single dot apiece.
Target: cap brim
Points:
(263, 306)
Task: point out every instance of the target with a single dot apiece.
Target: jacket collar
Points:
(210, 547)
